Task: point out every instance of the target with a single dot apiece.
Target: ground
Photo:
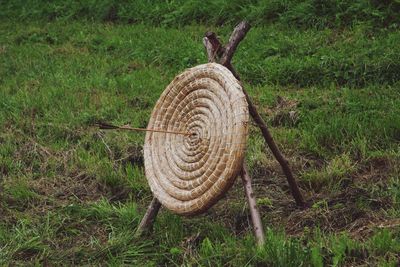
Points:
(72, 194)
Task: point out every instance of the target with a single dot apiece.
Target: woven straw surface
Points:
(188, 174)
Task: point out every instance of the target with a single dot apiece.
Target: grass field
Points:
(73, 195)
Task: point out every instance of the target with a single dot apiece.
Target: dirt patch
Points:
(77, 187)
(62, 185)
(348, 211)
(87, 231)
(375, 170)
(352, 208)
(133, 156)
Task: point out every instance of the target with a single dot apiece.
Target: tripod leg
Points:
(255, 214)
(148, 219)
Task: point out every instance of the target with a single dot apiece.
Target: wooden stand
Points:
(216, 52)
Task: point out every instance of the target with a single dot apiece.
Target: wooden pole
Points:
(147, 222)
(254, 213)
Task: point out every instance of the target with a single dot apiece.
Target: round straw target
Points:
(188, 173)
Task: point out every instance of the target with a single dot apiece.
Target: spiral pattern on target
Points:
(188, 174)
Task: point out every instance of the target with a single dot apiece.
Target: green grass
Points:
(70, 194)
(301, 14)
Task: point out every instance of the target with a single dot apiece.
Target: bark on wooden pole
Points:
(148, 219)
(209, 49)
(237, 36)
(254, 213)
